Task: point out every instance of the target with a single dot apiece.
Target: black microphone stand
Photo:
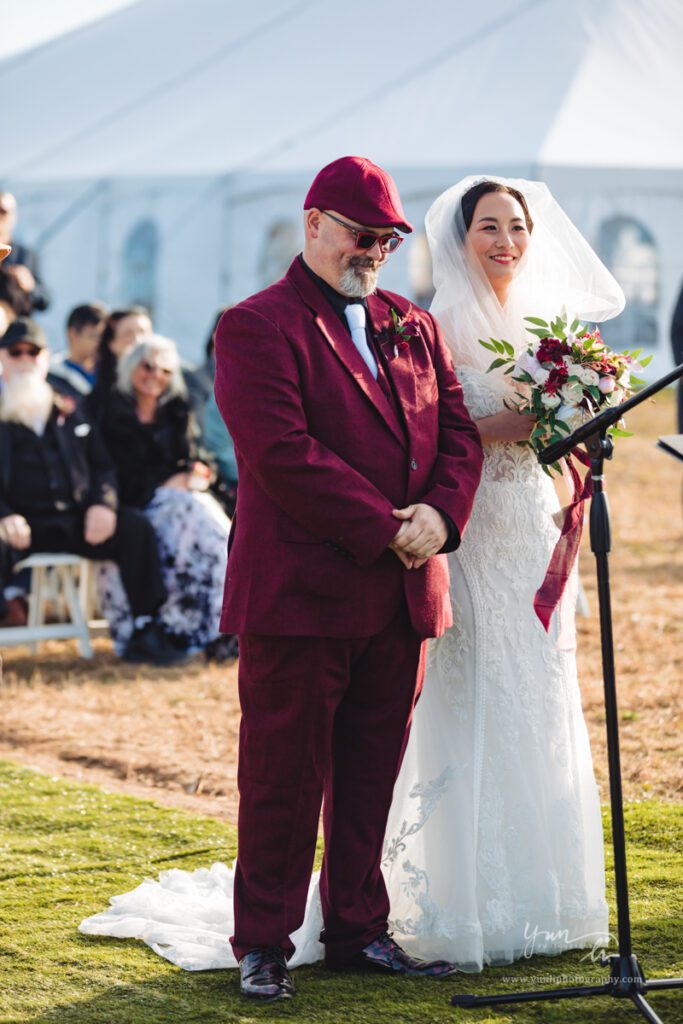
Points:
(626, 979)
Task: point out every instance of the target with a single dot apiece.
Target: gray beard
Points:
(26, 398)
(355, 286)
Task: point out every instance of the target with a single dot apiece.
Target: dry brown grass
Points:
(172, 734)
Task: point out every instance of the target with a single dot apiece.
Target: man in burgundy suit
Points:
(358, 465)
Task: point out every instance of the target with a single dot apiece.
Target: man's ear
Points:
(312, 220)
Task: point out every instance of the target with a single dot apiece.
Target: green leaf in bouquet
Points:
(594, 392)
(536, 320)
(496, 363)
(497, 346)
(618, 432)
(508, 348)
(539, 332)
(524, 376)
(575, 326)
(561, 425)
(486, 344)
(510, 368)
(646, 361)
(557, 327)
(637, 381)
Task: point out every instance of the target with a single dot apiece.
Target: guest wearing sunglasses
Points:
(358, 464)
(121, 329)
(58, 493)
(151, 436)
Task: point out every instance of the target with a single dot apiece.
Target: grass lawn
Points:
(67, 848)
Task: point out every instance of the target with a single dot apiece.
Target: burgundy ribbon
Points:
(567, 548)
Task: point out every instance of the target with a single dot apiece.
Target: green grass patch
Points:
(67, 848)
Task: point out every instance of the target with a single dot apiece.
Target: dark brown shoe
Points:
(16, 613)
(264, 975)
(384, 956)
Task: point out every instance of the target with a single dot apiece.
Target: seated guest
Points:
(22, 262)
(14, 300)
(212, 430)
(219, 444)
(121, 329)
(72, 373)
(58, 493)
(199, 381)
(148, 430)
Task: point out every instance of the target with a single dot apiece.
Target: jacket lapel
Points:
(338, 338)
(398, 357)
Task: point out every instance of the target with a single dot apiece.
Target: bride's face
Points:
(498, 236)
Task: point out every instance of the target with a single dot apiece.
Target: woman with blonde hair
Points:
(150, 435)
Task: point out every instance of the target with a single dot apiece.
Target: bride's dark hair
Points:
(470, 199)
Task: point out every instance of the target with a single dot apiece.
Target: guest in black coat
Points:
(149, 432)
(22, 262)
(122, 328)
(58, 493)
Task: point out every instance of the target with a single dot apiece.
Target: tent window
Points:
(280, 246)
(140, 259)
(420, 269)
(629, 250)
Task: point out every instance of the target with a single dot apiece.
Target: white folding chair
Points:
(62, 581)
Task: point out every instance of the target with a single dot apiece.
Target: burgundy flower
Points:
(551, 350)
(557, 378)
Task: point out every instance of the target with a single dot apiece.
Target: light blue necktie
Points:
(355, 317)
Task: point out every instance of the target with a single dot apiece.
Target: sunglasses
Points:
(366, 239)
(153, 368)
(16, 353)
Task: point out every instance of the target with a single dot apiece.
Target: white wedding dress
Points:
(494, 845)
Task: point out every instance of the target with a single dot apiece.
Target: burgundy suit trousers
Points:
(323, 720)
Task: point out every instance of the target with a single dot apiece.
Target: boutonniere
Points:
(402, 331)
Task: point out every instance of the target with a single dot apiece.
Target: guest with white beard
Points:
(58, 492)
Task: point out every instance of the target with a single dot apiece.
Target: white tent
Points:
(163, 153)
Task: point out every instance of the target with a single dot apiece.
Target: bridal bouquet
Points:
(566, 375)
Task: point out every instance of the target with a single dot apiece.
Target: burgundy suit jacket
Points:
(323, 459)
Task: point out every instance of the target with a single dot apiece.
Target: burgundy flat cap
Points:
(359, 190)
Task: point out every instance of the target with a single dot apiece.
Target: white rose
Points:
(572, 392)
(541, 375)
(588, 377)
(569, 414)
(528, 363)
(624, 379)
(571, 365)
(550, 401)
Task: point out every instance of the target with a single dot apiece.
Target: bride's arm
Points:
(508, 425)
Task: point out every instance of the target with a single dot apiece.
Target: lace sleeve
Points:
(482, 395)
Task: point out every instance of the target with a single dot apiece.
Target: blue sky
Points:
(30, 22)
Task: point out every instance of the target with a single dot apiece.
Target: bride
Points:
(494, 843)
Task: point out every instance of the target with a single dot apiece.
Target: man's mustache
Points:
(364, 261)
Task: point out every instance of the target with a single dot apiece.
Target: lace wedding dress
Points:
(494, 843)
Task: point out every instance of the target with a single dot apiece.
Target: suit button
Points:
(413, 464)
